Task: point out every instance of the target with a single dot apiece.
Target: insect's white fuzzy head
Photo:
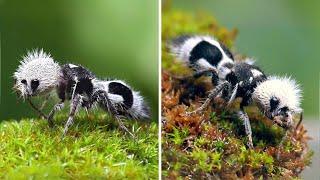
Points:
(279, 98)
(37, 73)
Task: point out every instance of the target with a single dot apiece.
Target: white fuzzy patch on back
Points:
(250, 61)
(72, 66)
(256, 72)
(283, 88)
(37, 65)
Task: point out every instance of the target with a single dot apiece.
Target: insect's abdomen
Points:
(124, 99)
(122, 90)
(201, 52)
(207, 51)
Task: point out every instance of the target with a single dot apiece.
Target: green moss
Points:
(215, 143)
(94, 147)
(178, 136)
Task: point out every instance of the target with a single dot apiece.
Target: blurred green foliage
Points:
(282, 35)
(117, 39)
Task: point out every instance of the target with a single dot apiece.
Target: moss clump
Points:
(94, 147)
(213, 145)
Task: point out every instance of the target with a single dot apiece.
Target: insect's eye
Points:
(34, 84)
(23, 81)
(284, 109)
(274, 102)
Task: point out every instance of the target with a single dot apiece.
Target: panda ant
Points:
(278, 98)
(39, 74)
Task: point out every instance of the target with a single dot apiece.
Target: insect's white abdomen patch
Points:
(115, 98)
(204, 64)
(137, 109)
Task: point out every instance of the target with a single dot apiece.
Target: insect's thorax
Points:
(247, 77)
(75, 80)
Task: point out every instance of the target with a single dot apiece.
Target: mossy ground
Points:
(213, 145)
(94, 147)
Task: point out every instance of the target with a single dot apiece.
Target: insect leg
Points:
(281, 144)
(123, 127)
(212, 95)
(233, 95)
(300, 120)
(56, 108)
(76, 102)
(244, 117)
(195, 75)
(44, 103)
(102, 98)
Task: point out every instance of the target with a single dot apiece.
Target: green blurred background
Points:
(112, 38)
(282, 35)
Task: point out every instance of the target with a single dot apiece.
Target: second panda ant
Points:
(278, 98)
(39, 75)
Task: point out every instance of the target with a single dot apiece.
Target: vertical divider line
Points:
(0, 69)
(159, 87)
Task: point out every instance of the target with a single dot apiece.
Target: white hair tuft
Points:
(36, 55)
(37, 65)
(249, 60)
(284, 88)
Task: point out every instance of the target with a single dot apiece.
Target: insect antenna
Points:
(36, 109)
(299, 123)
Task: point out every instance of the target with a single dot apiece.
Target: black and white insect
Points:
(39, 75)
(203, 54)
(278, 98)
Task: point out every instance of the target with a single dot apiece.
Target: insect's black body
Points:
(84, 90)
(75, 77)
(242, 77)
(76, 80)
